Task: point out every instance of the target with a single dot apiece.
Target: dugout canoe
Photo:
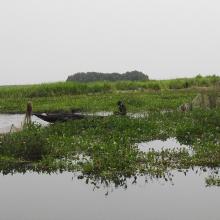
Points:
(60, 117)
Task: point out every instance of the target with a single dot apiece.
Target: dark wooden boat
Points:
(61, 117)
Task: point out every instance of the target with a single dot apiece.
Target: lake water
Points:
(58, 196)
(132, 115)
(159, 145)
(63, 196)
(6, 121)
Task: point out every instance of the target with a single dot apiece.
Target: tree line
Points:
(97, 76)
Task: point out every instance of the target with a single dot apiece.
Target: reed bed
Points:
(74, 88)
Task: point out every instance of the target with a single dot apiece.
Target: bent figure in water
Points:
(121, 109)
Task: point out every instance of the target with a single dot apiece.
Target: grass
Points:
(109, 146)
(101, 96)
(135, 102)
(74, 88)
(104, 150)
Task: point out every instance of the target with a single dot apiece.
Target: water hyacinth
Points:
(109, 144)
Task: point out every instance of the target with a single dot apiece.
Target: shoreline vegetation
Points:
(103, 150)
(79, 88)
(102, 96)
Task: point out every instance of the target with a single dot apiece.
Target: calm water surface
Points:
(132, 115)
(159, 145)
(6, 121)
(62, 196)
(55, 197)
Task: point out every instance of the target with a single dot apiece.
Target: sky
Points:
(47, 40)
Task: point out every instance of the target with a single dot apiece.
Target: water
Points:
(62, 196)
(6, 121)
(159, 145)
(54, 197)
(102, 113)
(132, 115)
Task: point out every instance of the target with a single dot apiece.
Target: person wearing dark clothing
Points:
(121, 108)
(28, 113)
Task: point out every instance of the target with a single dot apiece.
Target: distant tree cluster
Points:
(95, 76)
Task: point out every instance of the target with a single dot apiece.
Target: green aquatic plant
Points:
(135, 102)
(109, 144)
(29, 144)
(212, 181)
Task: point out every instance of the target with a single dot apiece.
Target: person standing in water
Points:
(28, 114)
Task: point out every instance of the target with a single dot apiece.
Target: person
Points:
(28, 113)
(183, 107)
(121, 108)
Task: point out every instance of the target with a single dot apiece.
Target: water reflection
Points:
(98, 181)
(61, 196)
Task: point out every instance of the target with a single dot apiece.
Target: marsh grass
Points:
(29, 144)
(102, 96)
(74, 88)
(110, 144)
(135, 102)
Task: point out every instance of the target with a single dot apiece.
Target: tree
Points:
(96, 76)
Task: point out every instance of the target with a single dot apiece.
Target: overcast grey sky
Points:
(46, 40)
